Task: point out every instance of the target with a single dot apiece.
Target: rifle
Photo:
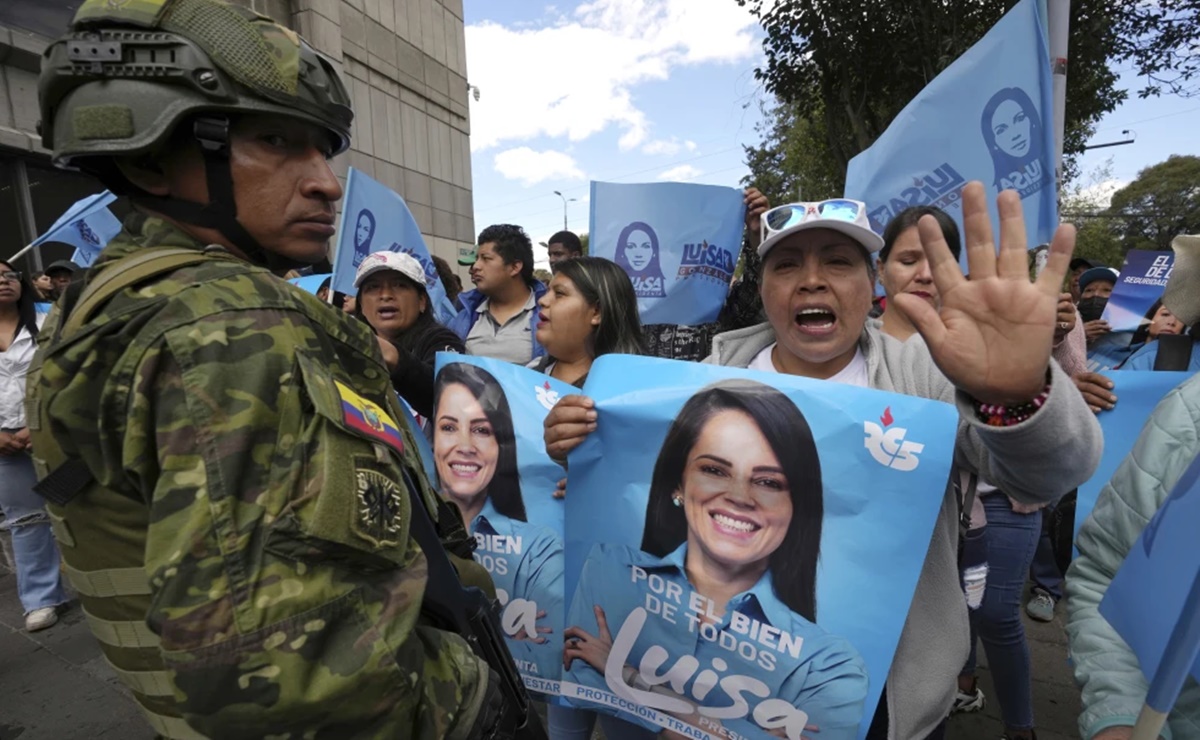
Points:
(468, 612)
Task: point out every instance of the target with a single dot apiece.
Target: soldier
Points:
(229, 483)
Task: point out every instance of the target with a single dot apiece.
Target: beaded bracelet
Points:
(995, 415)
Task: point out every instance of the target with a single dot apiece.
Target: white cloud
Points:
(532, 167)
(682, 173)
(669, 147)
(573, 75)
(1100, 194)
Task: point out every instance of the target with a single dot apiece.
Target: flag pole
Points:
(1180, 654)
(1058, 23)
(21, 254)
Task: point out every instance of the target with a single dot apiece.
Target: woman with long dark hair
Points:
(733, 526)
(1012, 128)
(589, 310)
(638, 255)
(475, 454)
(392, 298)
(39, 583)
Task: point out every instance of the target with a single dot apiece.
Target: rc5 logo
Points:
(888, 447)
(546, 396)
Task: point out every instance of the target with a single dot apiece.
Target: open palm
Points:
(993, 335)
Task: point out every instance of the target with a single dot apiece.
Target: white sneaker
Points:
(40, 619)
(968, 703)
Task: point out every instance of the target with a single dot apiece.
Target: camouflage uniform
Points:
(241, 540)
(214, 408)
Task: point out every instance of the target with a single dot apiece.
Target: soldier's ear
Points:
(145, 173)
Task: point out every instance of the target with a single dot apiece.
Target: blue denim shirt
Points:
(526, 564)
(758, 637)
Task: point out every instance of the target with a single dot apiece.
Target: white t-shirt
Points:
(853, 374)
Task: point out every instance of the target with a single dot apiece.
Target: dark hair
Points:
(1004, 163)
(504, 490)
(909, 217)
(605, 285)
(26, 311)
(654, 269)
(791, 439)
(450, 281)
(1142, 333)
(370, 235)
(569, 240)
(408, 340)
(513, 245)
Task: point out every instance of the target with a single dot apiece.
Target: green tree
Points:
(848, 68)
(1162, 203)
(791, 162)
(1084, 203)
(583, 239)
(1160, 38)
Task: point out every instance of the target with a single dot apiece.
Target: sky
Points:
(649, 90)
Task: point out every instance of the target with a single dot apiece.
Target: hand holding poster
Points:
(746, 569)
(1136, 300)
(678, 243)
(376, 219)
(491, 462)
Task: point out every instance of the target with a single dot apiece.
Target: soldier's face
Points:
(282, 182)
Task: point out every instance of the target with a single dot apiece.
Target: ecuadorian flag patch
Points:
(369, 418)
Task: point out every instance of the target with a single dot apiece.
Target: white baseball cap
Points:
(843, 215)
(405, 264)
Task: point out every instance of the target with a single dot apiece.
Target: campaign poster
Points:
(1136, 300)
(989, 117)
(376, 219)
(490, 460)
(679, 244)
(1137, 394)
(743, 547)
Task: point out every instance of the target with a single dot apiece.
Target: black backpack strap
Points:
(965, 483)
(1174, 352)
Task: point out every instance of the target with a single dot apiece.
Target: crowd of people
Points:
(247, 563)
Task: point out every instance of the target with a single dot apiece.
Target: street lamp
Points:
(565, 202)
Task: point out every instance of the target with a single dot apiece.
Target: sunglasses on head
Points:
(784, 217)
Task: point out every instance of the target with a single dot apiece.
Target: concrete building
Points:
(404, 62)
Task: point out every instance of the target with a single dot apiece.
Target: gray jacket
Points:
(1033, 462)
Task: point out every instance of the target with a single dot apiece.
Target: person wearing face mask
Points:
(1095, 286)
(393, 301)
(1109, 675)
(988, 350)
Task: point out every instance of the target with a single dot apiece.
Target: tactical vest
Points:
(103, 534)
(104, 543)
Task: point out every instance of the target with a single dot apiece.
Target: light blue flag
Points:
(87, 225)
(376, 219)
(817, 499)
(678, 243)
(489, 458)
(1154, 600)
(988, 116)
(1137, 394)
(310, 283)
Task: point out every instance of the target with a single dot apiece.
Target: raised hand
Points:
(756, 205)
(993, 335)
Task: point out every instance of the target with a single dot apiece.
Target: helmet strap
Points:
(220, 213)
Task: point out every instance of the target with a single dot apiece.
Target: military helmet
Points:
(129, 71)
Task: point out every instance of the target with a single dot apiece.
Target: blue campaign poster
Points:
(989, 117)
(1137, 296)
(679, 244)
(1149, 595)
(1137, 394)
(743, 548)
(376, 219)
(490, 460)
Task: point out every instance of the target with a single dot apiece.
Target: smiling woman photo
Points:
(475, 454)
(735, 500)
(638, 255)
(393, 300)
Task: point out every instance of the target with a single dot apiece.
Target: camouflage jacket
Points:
(252, 432)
